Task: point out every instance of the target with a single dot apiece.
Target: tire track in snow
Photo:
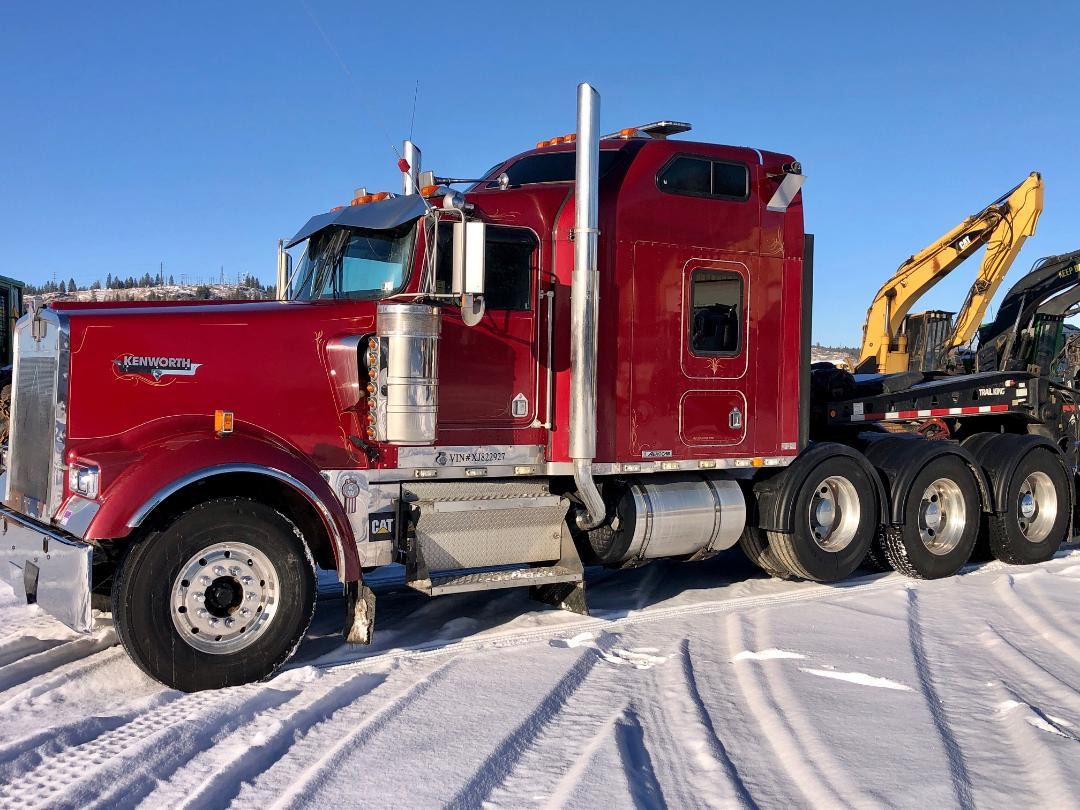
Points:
(42, 663)
(613, 620)
(26, 753)
(1039, 617)
(21, 646)
(216, 776)
(1047, 783)
(61, 771)
(796, 717)
(698, 769)
(556, 739)
(64, 675)
(351, 728)
(1017, 662)
(961, 779)
(772, 720)
(123, 781)
(645, 790)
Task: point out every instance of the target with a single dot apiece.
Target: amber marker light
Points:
(223, 422)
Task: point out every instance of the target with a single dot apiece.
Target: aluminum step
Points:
(439, 585)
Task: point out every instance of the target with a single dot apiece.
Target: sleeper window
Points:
(704, 177)
(715, 312)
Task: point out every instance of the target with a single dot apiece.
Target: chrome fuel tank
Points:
(674, 516)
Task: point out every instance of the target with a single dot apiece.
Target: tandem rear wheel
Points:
(1033, 520)
(941, 514)
(221, 596)
(834, 516)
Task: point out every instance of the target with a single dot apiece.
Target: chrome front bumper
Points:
(47, 569)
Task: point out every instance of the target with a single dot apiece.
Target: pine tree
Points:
(72, 286)
(108, 281)
(63, 288)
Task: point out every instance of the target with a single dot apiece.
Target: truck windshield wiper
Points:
(327, 262)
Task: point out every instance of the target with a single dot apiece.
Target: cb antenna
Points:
(412, 119)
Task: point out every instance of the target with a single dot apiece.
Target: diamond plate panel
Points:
(453, 540)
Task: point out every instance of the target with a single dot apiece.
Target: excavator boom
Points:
(1002, 227)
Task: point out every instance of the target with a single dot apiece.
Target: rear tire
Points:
(222, 596)
(835, 520)
(941, 522)
(755, 545)
(1036, 517)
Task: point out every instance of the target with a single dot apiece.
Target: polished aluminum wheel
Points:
(942, 516)
(834, 513)
(1037, 507)
(224, 597)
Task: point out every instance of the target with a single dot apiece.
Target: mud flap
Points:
(566, 595)
(359, 613)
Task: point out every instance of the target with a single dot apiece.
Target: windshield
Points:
(353, 263)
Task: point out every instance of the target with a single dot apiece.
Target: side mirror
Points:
(468, 280)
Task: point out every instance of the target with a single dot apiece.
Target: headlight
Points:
(83, 480)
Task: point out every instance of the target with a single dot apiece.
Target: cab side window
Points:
(715, 312)
(703, 177)
(510, 258)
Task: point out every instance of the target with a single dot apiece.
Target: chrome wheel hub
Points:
(942, 516)
(1037, 507)
(224, 597)
(834, 513)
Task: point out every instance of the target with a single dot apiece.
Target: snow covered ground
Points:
(693, 684)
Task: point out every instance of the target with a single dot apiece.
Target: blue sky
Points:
(199, 133)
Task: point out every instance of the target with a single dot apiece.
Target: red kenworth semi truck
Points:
(597, 354)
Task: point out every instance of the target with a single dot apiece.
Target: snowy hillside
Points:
(162, 292)
(692, 685)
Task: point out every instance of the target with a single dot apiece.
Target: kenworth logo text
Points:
(475, 457)
(156, 367)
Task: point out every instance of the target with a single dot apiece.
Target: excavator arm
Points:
(1002, 227)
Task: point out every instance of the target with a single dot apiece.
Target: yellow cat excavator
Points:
(1002, 227)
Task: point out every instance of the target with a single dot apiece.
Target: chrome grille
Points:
(38, 416)
(32, 431)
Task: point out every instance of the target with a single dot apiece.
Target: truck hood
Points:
(269, 363)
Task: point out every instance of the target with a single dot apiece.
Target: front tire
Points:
(1036, 517)
(221, 596)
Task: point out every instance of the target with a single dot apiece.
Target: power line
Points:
(352, 78)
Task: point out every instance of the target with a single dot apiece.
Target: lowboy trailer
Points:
(596, 354)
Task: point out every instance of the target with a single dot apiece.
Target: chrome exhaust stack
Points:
(410, 180)
(583, 308)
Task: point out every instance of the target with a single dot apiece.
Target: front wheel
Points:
(222, 596)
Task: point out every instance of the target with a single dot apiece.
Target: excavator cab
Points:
(926, 335)
(1028, 332)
